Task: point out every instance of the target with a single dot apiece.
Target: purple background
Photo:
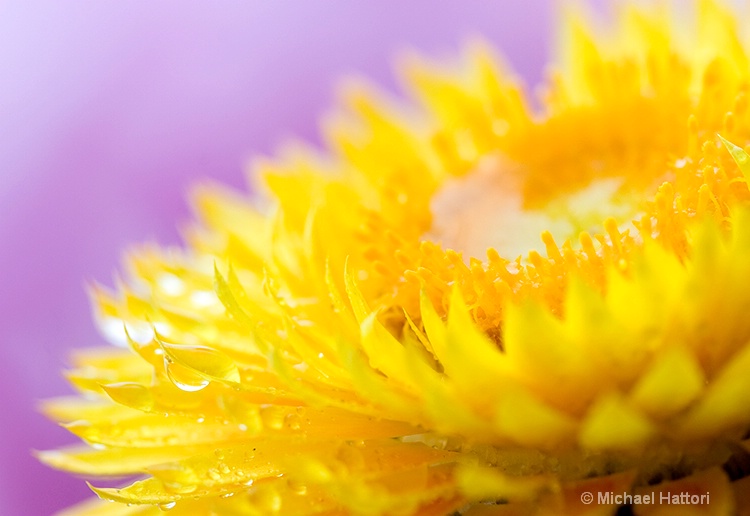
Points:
(109, 110)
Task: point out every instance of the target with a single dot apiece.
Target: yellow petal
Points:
(611, 424)
(673, 382)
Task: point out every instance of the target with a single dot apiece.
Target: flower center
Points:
(487, 209)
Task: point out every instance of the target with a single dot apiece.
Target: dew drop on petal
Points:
(297, 486)
(273, 417)
(184, 378)
(186, 488)
(167, 506)
(203, 361)
(293, 421)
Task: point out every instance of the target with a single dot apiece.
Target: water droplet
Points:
(183, 377)
(293, 422)
(297, 487)
(167, 506)
(224, 468)
(176, 478)
(219, 454)
(205, 361)
(183, 488)
(273, 417)
(227, 495)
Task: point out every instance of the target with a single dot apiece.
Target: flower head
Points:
(482, 307)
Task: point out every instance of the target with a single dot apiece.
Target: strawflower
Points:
(465, 304)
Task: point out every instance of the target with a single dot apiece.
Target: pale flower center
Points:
(486, 209)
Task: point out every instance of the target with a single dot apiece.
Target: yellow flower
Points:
(346, 344)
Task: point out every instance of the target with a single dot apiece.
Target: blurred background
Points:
(110, 110)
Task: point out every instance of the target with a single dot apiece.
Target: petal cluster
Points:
(319, 348)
